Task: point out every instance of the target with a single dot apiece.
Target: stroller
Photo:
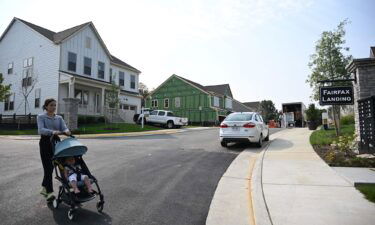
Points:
(71, 147)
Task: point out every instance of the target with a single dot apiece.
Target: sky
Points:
(260, 47)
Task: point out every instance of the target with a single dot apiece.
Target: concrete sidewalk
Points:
(300, 188)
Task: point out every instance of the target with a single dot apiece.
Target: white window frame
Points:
(177, 102)
(216, 102)
(10, 67)
(166, 103)
(154, 103)
(38, 92)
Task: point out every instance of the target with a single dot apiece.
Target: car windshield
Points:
(239, 117)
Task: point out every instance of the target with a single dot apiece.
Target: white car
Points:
(166, 118)
(243, 127)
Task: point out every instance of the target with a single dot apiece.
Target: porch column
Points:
(103, 100)
(71, 88)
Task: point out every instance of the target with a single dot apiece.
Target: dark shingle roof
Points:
(240, 107)
(255, 106)
(122, 63)
(219, 89)
(43, 31)
(60, 36)
(192, 82)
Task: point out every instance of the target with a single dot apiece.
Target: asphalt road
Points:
(160, 179)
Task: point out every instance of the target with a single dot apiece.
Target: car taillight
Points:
(223, 125)
(249, 125)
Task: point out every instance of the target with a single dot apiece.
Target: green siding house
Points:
(204, 105)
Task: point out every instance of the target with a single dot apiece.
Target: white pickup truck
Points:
(166, 118)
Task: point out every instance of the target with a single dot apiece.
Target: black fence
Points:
(18, 122)
(366, 109)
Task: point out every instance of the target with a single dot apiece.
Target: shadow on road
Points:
(83, 216)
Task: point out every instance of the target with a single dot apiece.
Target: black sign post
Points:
(336, 95)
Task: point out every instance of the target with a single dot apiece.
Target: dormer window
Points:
(88, 42)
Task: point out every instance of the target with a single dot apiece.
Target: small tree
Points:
(4, 89)
(143, 91)
(112, 98)
(268, 110)
(27, 86)
(328, 63)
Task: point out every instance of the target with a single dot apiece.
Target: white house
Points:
(72, 63)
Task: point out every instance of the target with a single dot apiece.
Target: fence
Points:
(19, 122)
(366, 110)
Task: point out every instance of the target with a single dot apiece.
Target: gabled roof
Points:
(118, 61)
(58, 37)
(62, 35)
(255, 106)
(240, 107)
(192, 82)
(220, 89)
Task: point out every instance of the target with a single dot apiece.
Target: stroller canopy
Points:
(69, 147)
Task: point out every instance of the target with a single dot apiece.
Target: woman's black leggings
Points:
(46, 154)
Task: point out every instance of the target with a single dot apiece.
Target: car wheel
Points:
(260, 142)
(268, 136)
(224, 144)
(170, 125)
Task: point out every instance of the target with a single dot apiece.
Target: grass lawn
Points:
(92, 129)
(113, 128)
(368, 190)
(326, 137)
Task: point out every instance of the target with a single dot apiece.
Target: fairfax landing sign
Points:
(336, 96)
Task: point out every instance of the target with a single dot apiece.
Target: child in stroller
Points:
(72, 172)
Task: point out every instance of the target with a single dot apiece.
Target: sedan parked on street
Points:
(243, 127)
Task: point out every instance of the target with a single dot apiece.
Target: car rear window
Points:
(170, 114)
(239, 117)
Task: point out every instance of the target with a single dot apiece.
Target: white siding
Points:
(76, 44)
(22, 42)
(130, 100)
(128, 73)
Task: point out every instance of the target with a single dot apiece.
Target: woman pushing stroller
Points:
(49, 126)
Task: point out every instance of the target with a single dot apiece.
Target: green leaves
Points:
(4, 89)
(328, 62)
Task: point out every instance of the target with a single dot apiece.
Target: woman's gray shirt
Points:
(48, 124)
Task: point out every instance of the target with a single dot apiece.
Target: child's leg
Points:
(73, 182)
(87, 183)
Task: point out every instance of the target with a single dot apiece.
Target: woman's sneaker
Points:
(50, 197)
(43, 192)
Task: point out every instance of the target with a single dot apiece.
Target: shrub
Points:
(347, 120)
(90, 119)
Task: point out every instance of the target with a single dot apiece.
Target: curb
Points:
(108, 135)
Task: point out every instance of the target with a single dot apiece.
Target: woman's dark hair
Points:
(47, 102)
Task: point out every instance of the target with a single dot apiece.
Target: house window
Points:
(83, 96)
(110, 75)
(88, 42)
(27, 79)
(132, 82)
(72, 61)
(28, 62)
(9, 102)
(121, 78)
(134, 108)
(87, 66)
(177, 102)
(37, 97)
(154, 103)
(166, 103)
(216, 102)
(101, 68)
(228, 103)
(10, 68)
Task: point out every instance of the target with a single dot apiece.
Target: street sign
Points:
(336, 95)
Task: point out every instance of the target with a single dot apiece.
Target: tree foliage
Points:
(329, 61)
(4, 89)
(268, 110)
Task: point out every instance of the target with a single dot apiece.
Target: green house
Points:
(205, 105)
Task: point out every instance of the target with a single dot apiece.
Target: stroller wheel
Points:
(100, 206)
(71, 214)
(55, 203)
